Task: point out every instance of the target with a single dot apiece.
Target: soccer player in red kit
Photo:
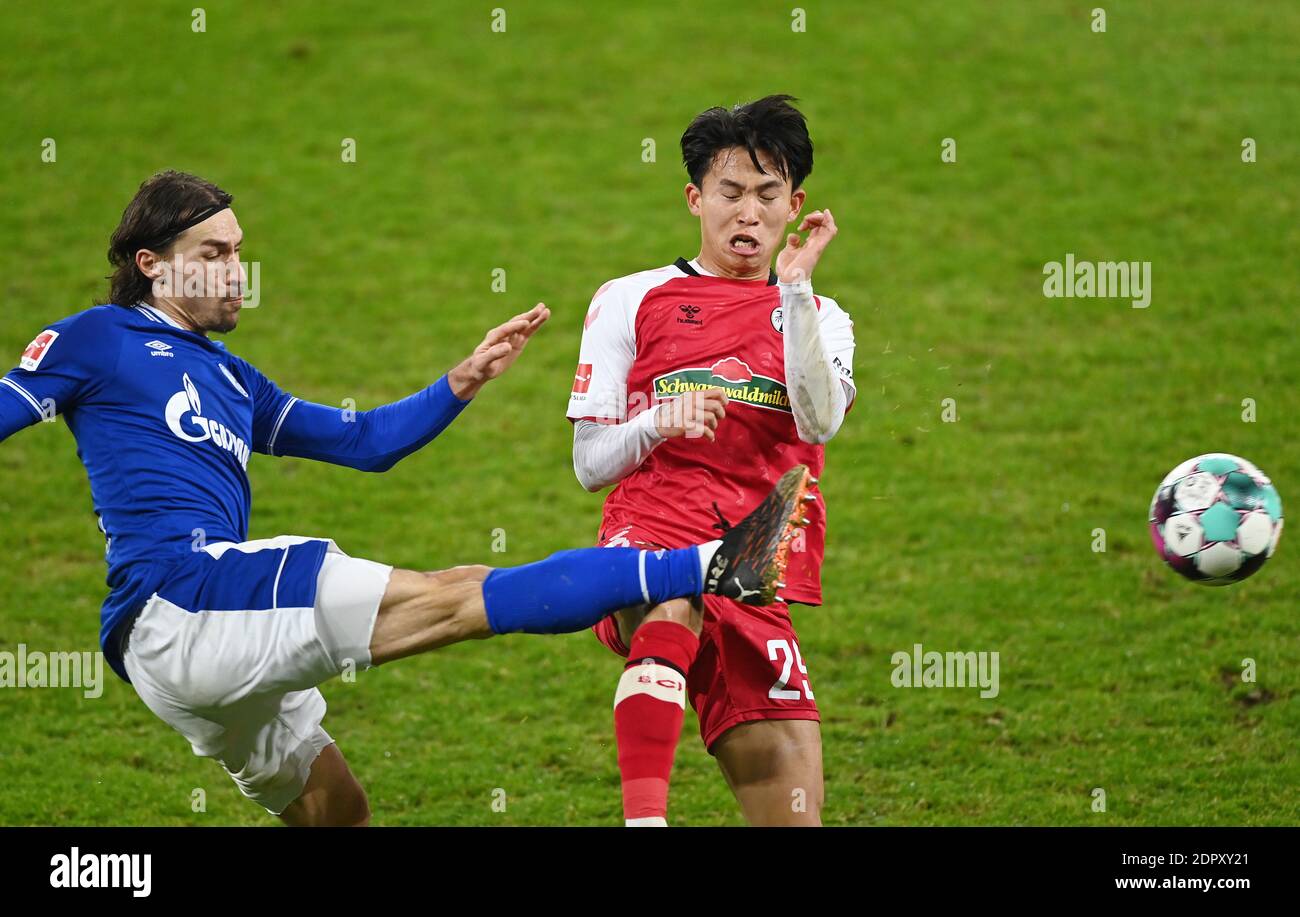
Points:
(698, 385)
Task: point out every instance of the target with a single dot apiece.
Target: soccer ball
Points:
(1216, 519)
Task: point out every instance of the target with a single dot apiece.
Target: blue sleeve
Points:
(63, 365)
(15, 413)
(269, 405)
(373, 440)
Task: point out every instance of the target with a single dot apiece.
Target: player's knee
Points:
(685, 612)
(347, 805)
(356, 814)
(789, 806)
(347, 808)
(334, 798)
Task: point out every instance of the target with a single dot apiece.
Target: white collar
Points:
(158, 315)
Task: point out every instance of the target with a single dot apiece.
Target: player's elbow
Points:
(590, 481)
(584, 465)
(817, 417)
(818, 431)
(816, 437)
(377, 464)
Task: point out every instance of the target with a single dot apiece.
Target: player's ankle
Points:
(707, 550)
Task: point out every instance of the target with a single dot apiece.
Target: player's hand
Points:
(498, 352)
(692, 415)
(800, 256)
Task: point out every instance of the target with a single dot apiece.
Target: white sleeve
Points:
(837, 335)
(604, 454)
(818, 361)
(605, 357)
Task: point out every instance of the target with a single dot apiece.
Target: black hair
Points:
(166, 205)
(770, 124)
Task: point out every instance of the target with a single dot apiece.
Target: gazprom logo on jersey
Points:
(185, 410)
(733, 376)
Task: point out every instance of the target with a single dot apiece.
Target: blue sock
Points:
(572, 590)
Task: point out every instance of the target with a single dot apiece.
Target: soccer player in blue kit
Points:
(226, 639)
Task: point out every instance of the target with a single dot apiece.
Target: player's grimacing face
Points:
(201, 274)
(743, 213)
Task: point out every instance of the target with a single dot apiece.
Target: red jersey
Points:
(659, 334)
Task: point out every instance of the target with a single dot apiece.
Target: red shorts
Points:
(749, 666)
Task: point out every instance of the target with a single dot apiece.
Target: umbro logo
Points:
(159, 349)
(689, 312)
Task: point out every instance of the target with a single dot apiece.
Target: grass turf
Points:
(522, 150)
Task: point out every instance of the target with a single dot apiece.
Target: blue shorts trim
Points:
(260, 580)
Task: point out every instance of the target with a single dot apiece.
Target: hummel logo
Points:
(690, 312)
(159, 349)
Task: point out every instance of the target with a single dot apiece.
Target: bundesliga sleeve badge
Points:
(582, 379)
(37, 349)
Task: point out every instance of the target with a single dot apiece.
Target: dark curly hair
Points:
(160, 211)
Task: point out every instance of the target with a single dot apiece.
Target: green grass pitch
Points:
(522, 150)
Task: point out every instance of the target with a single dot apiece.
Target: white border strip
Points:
(270, 444)
(159, 315)
(275, 590)
(27, 396)
(233, 380)
(645, 591)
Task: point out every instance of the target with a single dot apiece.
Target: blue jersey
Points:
(166, 420)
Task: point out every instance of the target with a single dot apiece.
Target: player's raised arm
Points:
(498, 352)
(818, 397)
(377, 439)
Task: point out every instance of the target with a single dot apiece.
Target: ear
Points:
(796, 204)
(149, 263)
(693, 195)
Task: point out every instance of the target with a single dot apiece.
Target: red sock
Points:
(648, 712)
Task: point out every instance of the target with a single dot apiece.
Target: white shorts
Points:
(230, 649)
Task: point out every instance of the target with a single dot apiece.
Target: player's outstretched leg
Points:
(650, 701)
(416, 612)
(572, 590)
